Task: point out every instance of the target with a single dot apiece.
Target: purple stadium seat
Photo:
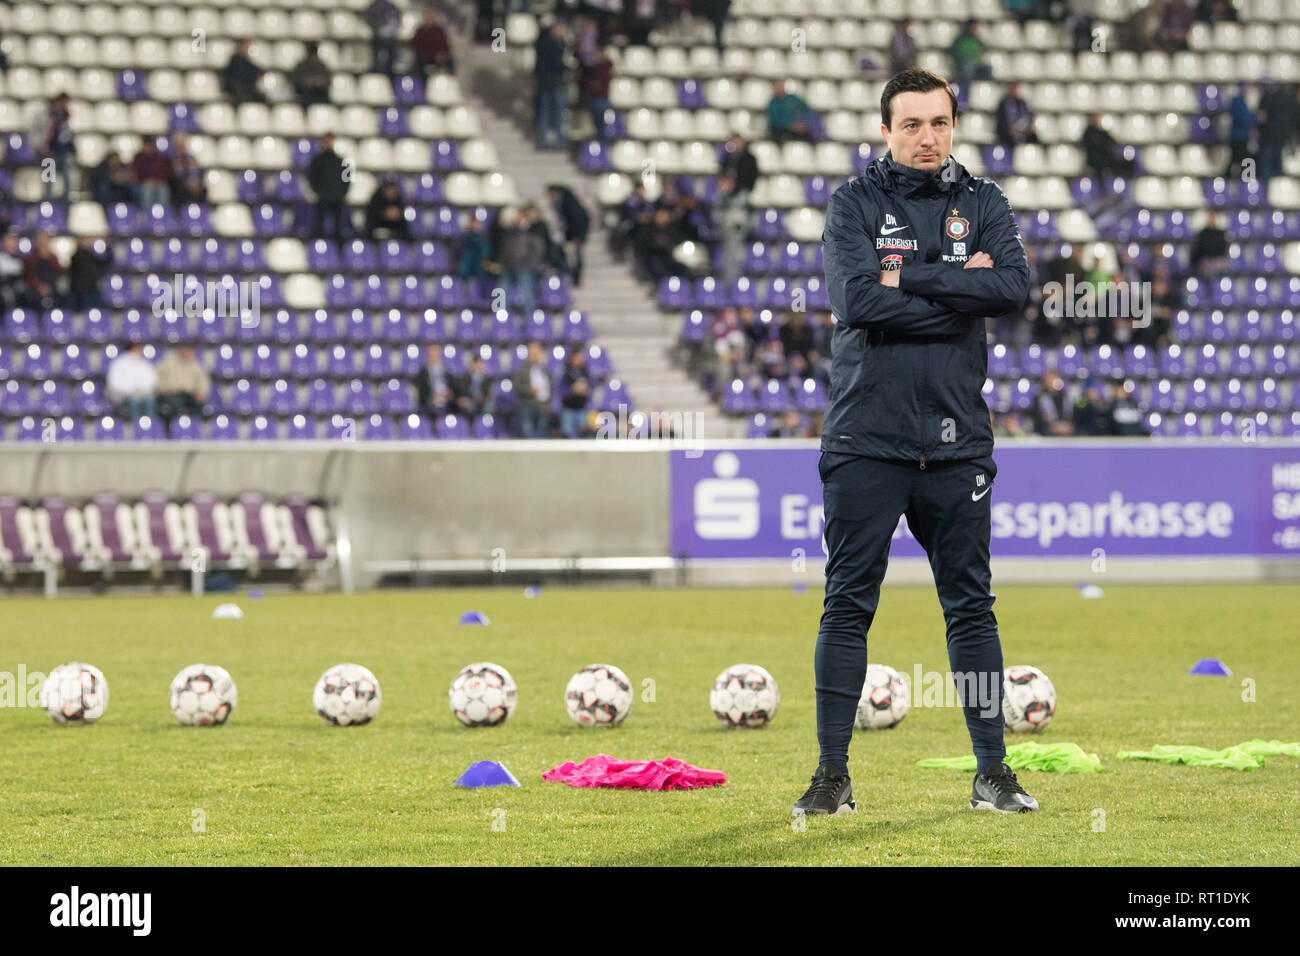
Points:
(359, 398)
(304, 362)
(738, 399)
(11, 538)
(485, 427)
(410, 360)
(53, 398)
(378, 428)
(263, 428)
(184, 428)
(413, 427)
(109, 428)
(284, 398)
(223, 428)
(396, 397)
(320, 398)
(409, 90)
(146, 428)
(1189, 426)
(450, 427)
(298, 507)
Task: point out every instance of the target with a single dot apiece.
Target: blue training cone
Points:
(474, 617)
(799, 588)
(1211, 667)
(532, 592)
(486, 773)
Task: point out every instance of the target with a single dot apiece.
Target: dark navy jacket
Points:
(908, 364)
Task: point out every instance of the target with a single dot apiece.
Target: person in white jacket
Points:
(132, 382)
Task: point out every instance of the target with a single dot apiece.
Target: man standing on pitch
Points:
(917, 252)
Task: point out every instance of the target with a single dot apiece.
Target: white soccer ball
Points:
(203, 695)
(745, 695)
(483, 695)
(347, 695)
(885, 699)
(1028, 699)
(75, 693)
(599, 695)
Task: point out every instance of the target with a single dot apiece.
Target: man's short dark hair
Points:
(913, 81)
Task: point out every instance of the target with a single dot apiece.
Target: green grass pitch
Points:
(277, 786)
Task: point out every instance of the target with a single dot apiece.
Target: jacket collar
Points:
(912, 181)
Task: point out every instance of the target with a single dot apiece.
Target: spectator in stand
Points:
(576, 395)
(1022, 10)
(328, 178)
(57, 148)
(86, 270)
(183, 384)
(552, 86)
(788, 426)
(716, 12)
(1102, 154)
(1175, 22)
(633, 219)
(756, 333)
(771, 359)
(13, 287)
(1092, 410)
(311, 77)
(1125, 413)
(431, 46)
(473, 390)
(541, 226)
(968, 57)
(112, 181)
(186, 178)
(434, 388)
(801, 369)
(384, 20)
(1008, 425)
(484, 20)
(902, 47)
(131, 383)
(475, 253)
(657, 245)
(1015, 120)
(1209, 256)
(1166, 299)
(585, 46)
(1068, 263)
(575, 223)
(240, 77)
(522, 252)
(43, 273)
(6, 209)
(739, 167)
(1277, 127)
(1049, 408)
(788, 115)
(796, 335)
(387, 212)
(1241, 128)
(532, 386)
(596, 82)
(153, 175)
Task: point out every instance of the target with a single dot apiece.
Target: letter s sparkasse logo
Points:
(726, 507)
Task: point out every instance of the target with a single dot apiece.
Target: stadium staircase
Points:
(638, 337)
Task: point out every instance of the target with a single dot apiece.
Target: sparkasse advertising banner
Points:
(1049, 500)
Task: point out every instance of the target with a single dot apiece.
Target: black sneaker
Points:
(831, 793)
(1001, 792)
